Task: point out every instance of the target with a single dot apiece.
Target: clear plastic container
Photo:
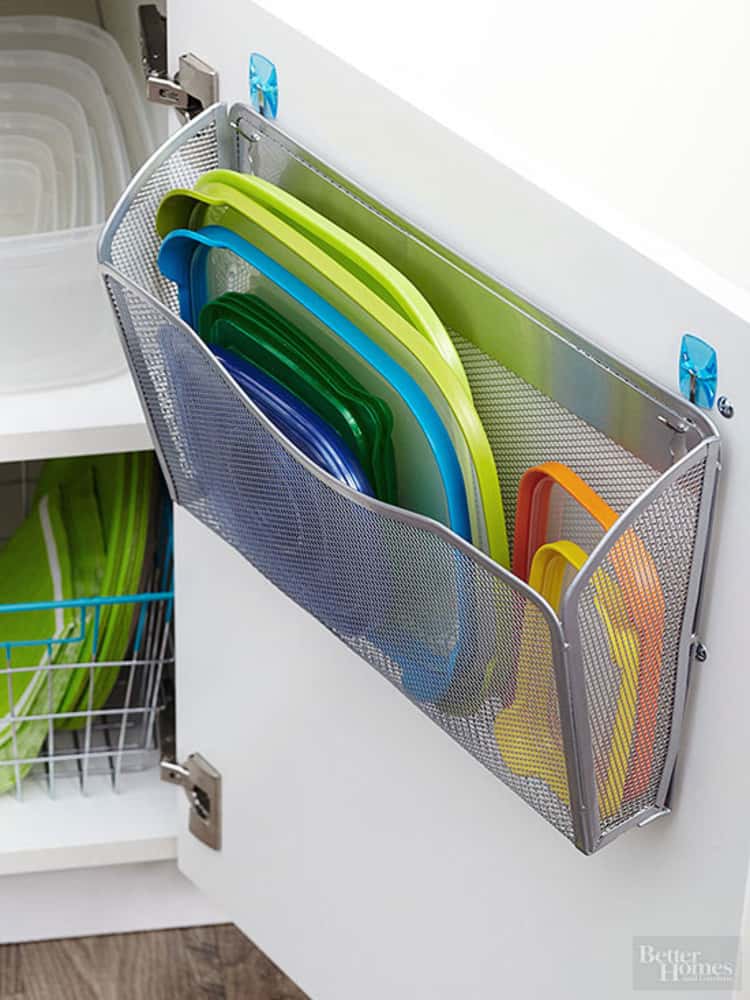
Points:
(39, 99)
(21, 197)
(57, 137)
(30, 202)
(102, 53)
(69, 82)
(76, 78)
(57, 326)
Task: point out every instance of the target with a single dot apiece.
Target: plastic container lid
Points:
(101, 52)
(40, 99)
(533, 507)
(427, 470)
(54, 305)
(74, 77)
(81, 517)
(274, 346)
(24, 211)
(301, 425)
(35, 566)
(125, 488)
(57, 138)
(316, 559)
(220, 204)
(56, 312)
(428, 473)
(362, 261)
(541, 757)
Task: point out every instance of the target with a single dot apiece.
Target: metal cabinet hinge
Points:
(202, 785)
(196, 84)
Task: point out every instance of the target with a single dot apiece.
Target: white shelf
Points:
(139, 823)
(113, 900)
(90, 419)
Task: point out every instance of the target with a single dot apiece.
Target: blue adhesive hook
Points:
(699, 371)
(264, 85)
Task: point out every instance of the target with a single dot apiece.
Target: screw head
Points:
(725, 407)
(701, 653)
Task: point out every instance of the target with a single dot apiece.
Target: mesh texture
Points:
(406, 600)
(651, 569)
(469, 647)
(136, 243)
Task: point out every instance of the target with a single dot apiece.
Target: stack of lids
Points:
(316, 327)
(89, 534)
(334, 323)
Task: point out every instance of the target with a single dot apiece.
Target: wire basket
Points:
(540, 699)
(41, 744)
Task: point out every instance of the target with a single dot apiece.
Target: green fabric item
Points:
(34, 566)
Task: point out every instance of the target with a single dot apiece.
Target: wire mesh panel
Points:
(82, 697)
(135, 244)
(41, 742)
(629, 614)
(578, 723)
(526, 428)
(438, 623)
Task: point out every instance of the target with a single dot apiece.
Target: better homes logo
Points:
(685, 963)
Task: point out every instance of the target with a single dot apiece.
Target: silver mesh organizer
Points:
(579, 714)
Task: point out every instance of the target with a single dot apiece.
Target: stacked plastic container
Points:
(73, 129)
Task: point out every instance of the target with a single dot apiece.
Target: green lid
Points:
(215, 202)
(35, 566)
(255, 331)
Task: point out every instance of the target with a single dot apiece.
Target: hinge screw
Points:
(701, 653)
(725, 407)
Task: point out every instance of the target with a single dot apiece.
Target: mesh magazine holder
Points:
(405, 593)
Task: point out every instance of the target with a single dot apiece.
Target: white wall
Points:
(642, 105)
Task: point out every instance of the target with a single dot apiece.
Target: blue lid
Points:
(176, 261)
(426, 674)
(294, 418)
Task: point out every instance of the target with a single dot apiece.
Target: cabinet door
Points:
(363, 850)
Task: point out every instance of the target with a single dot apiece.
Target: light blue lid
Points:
(425, 456)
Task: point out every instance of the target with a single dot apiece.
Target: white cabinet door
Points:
(363, 850)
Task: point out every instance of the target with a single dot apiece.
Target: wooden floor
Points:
(198, 963)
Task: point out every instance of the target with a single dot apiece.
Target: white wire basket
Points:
(106, 736)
